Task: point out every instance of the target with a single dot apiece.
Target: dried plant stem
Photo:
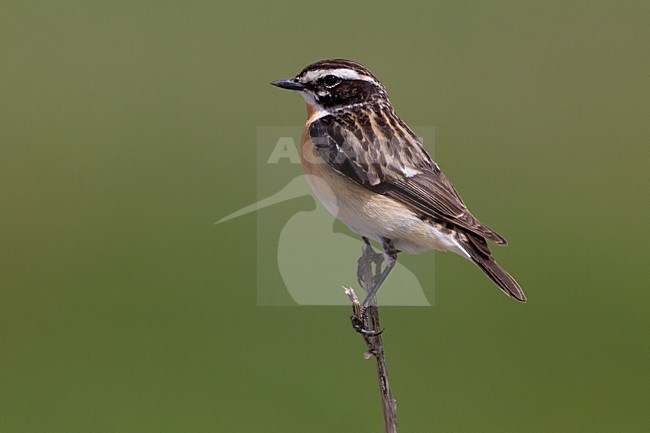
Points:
(367, 324)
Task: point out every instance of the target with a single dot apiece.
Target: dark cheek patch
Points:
(348, 92)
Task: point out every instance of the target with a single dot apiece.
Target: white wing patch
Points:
(410, 172)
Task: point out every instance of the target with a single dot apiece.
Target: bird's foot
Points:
(359, 324)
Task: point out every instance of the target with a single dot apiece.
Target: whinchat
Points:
(373, 174)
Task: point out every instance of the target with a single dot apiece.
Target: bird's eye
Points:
(331, 80)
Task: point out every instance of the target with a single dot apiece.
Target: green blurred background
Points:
(128, 128)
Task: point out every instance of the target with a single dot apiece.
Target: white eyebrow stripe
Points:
(345, 73)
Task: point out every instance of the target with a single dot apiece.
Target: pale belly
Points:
(370, 214)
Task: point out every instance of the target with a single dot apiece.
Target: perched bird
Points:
(371, 172)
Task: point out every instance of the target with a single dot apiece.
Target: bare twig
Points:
(367, 324)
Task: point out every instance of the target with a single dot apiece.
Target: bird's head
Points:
(329, 85)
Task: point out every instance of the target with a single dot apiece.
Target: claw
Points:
(359, 325)
(371, 333)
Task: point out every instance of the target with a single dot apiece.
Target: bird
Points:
(370, 171)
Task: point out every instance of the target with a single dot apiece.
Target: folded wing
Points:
(378, 151)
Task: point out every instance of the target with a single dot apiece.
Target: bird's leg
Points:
(371, 281)
(367, 259)
(366, 278)
(390, 256)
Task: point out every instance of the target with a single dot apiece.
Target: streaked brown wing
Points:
(379, 152)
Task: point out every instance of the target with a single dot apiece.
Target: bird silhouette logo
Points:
(312, 259)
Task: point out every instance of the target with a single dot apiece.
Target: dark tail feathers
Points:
(480, 253)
